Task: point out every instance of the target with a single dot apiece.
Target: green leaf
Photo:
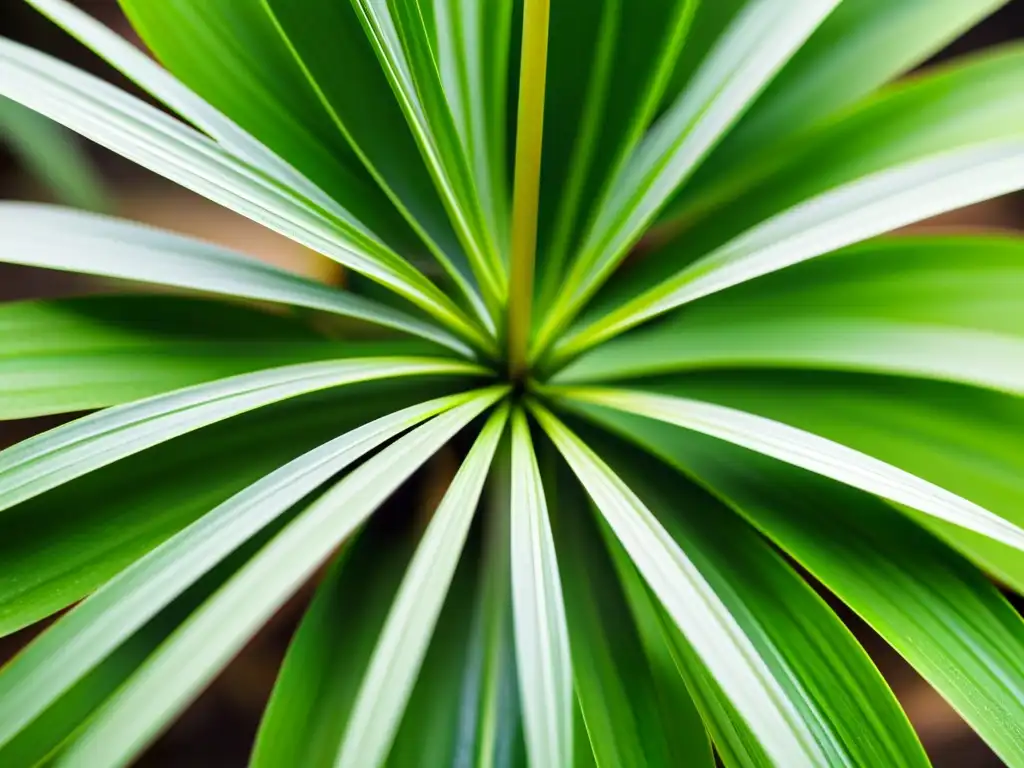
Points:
(62, 454)
(398, 656)
(202, 645)
(330, 44)
(932, 605)
(56, 238)
(151, 138)
(607, 78)
(62, 545)
(933, 146)
(87, 353)
(167, 89)
(233, 56)
(758, 42)
(635, 708)
(489, 728)
(542, 637)
(811, 452)
(965, 439)
(400, 37)
(717, 638)
(839, 696)
(88, 634)
(472, 48)
(314, 691)
(942, 308)
(52, 155)
(860, 47)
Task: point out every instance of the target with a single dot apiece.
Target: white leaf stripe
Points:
(189, 659)
(402, 646)
(699, 613)
(811, 452)
(59, 238)
(55, 457)
(156, 141)
(541, 631)
(759, 42)
(89, 633)
(854, 212)
(167, 89)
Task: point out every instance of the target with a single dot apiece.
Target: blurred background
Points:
(218, 730)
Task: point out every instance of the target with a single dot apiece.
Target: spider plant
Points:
(620, 339)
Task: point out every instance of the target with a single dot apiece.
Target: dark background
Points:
(219, 728)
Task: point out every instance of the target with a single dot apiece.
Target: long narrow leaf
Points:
(859, 48)
(401, 40)
(258, 84)
(93, 630)
(542, 637)
(943, 308)
(852, 213)
(403, 642)
(55, 457)
(166, 88)
(929, 603)
(55, 238)
(86, 353)
(194, 653)
(148, 136)
(755, 47)
(811, 452)
(716, 637)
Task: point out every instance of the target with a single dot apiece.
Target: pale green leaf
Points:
(232, 56)
(634, 706)
(857, 211)
(92, 631)
(399, 35)
(860, 47)
(964, 439)
(758, 42)
(57, 238)
(62, 454)
(64, 544)
(929, 603)
(163, 86)
(153, 139)
(403, 642)
(944, 308)
(190, 658)
(811, 452)
(710, 628)
(542, 638)
(329, 42)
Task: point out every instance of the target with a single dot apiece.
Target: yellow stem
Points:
(526, 189)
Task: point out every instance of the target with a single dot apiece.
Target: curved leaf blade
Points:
(55, 457)
(402, 646)
(167, 89)
(206, 641)
(931, 307)
(56, 238)
(811, 452)
(929, 603)
(716, 637)
(849, 214)
(542, 637)
(758, 42)
(151, 138)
